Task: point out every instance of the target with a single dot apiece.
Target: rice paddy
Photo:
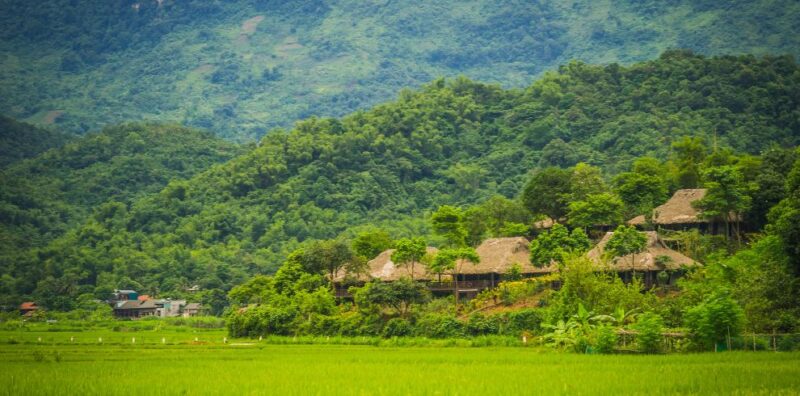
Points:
(37, 363)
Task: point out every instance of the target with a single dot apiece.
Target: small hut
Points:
(679, 213)
(656, 257)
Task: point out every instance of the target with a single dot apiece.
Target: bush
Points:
(606, 339)
(525, 320)
(649, 327)
(478, 324)
(713, 320)
(397, 327)
(439, 326)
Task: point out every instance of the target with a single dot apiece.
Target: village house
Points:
(134, 309)
(656, 259)
(498, 256)
(28, 308)
(191, 309)
(679, 214)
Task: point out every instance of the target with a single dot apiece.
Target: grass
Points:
(55, 366)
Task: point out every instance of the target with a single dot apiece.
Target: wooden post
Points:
(774, 341)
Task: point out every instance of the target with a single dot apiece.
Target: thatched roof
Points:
(645, 261)
(383, 268)
(499, 254)
(677, 210)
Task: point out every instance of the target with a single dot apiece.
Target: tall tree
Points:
(451, 259)
(547, 192)
(409, 252)
(689, 153)
(598, 209)
(727, 198)
(557, 245)
(448, 222)
(627, 240)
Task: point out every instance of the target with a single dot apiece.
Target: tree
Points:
(557, 245)
(727, 198)
(409, 251)
(643, 188)
(448, 223)
(451, 259)
(547, 192)
(714, 319)
(689, 153)
(585, 180)
(627, 240)
(399, 295)
(369, 244)
(328, 257)
(649, 327)
(597, 209)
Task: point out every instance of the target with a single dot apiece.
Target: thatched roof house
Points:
(383, 268)
(656, 257)
(677, 210)
(498, 255)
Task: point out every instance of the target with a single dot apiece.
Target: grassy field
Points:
(208, 366)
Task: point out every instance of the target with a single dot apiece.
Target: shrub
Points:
(397, 327)
(439, 326)
(649, 327)
(713, 320)
(478, 324)
(525, 320)
(606, 339)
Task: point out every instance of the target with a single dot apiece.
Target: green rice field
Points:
(78, 364)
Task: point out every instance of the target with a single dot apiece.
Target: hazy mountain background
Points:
(240, 68)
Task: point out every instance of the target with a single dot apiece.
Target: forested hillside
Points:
(19, 140)
(43, 197)
(242, 67)
(452, 142)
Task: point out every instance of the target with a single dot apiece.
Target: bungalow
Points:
(498, 256)
(134, 309)
(166, 308)
(192, 309)
(656, 258)
(679, 213)
(28, 308)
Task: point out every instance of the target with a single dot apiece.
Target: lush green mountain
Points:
(242, 67)
(19, 140)
(44, 196)
(451, 142)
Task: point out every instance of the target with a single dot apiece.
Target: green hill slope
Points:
(455, 142)
(242, 67)
(44, 196)
(19, 140)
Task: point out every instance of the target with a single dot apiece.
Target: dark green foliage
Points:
(436, 325)
(19, 140)
(371, 243)
(397, 327)
(547, 192)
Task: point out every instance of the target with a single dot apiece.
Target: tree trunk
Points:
(412, 271)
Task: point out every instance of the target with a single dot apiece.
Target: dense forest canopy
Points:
(242, 67)
(45, 196)
(452, 142)
(19, 140)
